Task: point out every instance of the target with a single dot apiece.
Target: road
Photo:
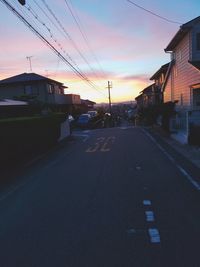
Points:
(109, 198)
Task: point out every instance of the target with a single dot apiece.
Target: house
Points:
(73, 99)
(32, 85)
(146, 97)
(89, 105)
(139, 101)
(152, 95)
(182, 83)
(159, 79)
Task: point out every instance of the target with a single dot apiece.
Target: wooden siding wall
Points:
(167, 92)
(183, 75)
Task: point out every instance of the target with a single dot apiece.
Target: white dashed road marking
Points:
(146, 202)
(150, 216)
(154, 235)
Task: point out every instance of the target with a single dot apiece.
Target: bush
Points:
(27, 136)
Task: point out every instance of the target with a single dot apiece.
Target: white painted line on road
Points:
(147, 202)
(181, 169)
(154, 235)
(196, 185)
(150, 216)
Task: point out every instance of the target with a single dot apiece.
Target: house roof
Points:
(87, 102)
(163, 69)
(196, 64)
(167, 75)
(184, 29)
(27, 77)
(148, 89)
(138, 97)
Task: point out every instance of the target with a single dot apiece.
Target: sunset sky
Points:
(124, 45)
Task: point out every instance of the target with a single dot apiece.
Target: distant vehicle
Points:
(92, 113)
(84, 120)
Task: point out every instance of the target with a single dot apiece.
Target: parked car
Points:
(84, 121)
(92, 113)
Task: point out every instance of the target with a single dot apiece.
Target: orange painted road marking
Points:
(103, 145)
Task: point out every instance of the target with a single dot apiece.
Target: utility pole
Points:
(109, 97)
(29, 59)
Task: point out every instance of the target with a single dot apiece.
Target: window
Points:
(198, 41)
(50, 88)
(196, 98)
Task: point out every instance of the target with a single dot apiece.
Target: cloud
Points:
(136, 77)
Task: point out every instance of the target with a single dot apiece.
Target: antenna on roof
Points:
(29, 59)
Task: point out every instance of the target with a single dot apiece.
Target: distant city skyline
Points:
(103, 40)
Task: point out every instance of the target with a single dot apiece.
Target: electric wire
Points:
(80, 27)
(154, 14)
(35, 31)
(36, 16)
(92, 52)
(68, 36)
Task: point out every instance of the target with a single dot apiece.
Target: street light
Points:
(22, 2)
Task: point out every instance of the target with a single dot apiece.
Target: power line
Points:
(154, 14)
(68, 35)
(36, 16)
(44, 12)
(80, 27)
(10, 7)
(62, 30)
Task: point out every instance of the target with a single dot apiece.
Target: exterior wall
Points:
(39, 89)
(73, 99)
(183, 75)
(168, 92)
(10, 91)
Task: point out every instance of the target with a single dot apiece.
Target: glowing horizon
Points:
(128, 43)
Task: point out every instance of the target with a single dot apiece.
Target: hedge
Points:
(27, 136)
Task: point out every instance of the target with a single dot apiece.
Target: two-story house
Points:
(159, 78)
(148, 98)
(153, 95)
(182, 84)
(41, 88)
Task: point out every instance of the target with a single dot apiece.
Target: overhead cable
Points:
(154, 14)
(68, 35)
(78, 23)
(80, 75)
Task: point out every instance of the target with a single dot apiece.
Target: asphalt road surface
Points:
(109, 198)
